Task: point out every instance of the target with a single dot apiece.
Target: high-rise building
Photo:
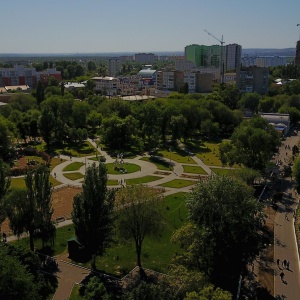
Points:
(114, 66)
(297, 59)
(203, 56)
(233, 54)
(145, 57)
(253, 79)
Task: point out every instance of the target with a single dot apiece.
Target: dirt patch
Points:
(62, 205)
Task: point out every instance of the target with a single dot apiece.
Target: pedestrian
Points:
(278, 262)
(288, 264)
(284, 264)
(286, 216)
(282, 275)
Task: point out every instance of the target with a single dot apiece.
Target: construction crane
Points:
(221, 41)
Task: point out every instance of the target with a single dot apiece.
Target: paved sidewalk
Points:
(285, 243)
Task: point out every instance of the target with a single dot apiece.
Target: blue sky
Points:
(72, 26)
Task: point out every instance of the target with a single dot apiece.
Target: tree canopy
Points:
(230, 221)
(92, 213)
(138, 214)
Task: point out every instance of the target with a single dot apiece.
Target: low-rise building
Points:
(281, 122)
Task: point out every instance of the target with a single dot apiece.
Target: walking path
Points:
(285, 244)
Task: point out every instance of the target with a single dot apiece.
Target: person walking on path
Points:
(288, 265)
(278, 263)
(284, 264)
(282, 276)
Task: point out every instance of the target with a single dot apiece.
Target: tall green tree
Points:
(296, 172)
(92, 213)
(225, 210)
(252, 144)
(139, 215)
(46, 125)
(4, 186)
(40, 93)
(31, 208)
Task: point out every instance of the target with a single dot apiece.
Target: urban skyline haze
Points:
(138, 26)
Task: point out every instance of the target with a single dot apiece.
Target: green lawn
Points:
(157, 253)
(160, 163)
(18, 183)
(55, 162)
(142, 180)
(222, 171)
(130, 168)
(85, 149)
(193, 169)
(75, 166)
(119, 259)
(74, 176)
(209, 154)
(178, 157)
(178, 183)
(75, 294)
(60, 244)
(112, 182)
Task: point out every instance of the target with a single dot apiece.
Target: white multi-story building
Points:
(107, 85)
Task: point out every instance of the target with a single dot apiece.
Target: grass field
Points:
(120, 258)
(222, 171)
(74, 150)
(74, 176)
(159, 162)
(178, 183)
(193, 169)
(18, 183)
(60, 244)
(112, 182)
(130, 168)
(75, 166)
(142, 180)
(157, 253)
(178, 157)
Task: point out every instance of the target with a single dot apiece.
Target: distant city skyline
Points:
(98, 26)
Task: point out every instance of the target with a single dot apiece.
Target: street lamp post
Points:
(170, 150)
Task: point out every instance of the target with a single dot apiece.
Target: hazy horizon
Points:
(135, 26)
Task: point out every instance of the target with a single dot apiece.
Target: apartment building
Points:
(19, 75)
(174, 81)
(233, 54)
(253, 79)
(109, 86)
(114, 66)
(145, 57)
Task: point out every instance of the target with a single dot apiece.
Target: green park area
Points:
(222, 171)
(180, 156)
(159, 162)
(142, 180)
(178, 183)
(122, 168)
(74, 175)
(193, 170)
(73, 166)
(119, 259)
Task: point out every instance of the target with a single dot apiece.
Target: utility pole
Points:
(221, 55)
